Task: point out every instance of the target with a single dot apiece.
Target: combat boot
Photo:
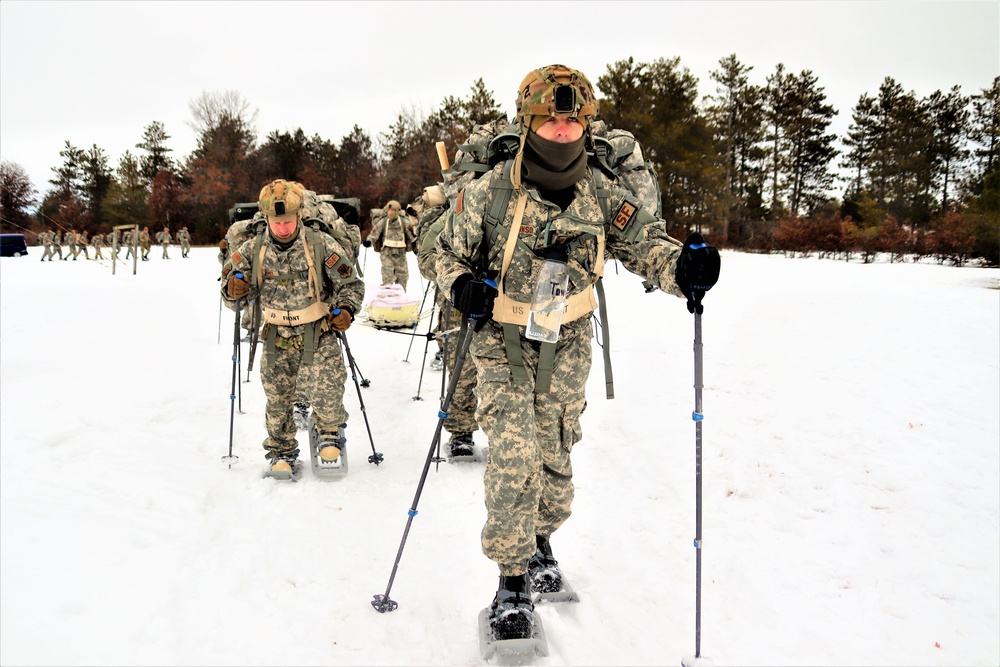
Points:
(461, 444)
(546, 577)
(512, 614)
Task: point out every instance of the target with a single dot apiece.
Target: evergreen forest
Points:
(753, 167)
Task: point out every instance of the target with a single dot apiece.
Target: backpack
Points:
(614, 154)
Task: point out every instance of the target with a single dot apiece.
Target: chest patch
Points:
(624, 215)
(528, 230)
(460, 203)
(271, 273)
(332, 260)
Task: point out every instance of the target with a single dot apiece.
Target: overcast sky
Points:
(101, 72)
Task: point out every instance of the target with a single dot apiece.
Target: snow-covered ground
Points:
(851, 499)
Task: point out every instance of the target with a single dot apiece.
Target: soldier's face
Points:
(282, 226)
(562, 129)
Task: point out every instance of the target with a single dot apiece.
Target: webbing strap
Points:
(546, 362)
(512, 343)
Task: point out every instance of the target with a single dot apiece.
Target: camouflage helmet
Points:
(554, 89)
(280, 197)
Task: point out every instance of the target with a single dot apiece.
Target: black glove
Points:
(366, 243)
(474, 297)
(697, 270)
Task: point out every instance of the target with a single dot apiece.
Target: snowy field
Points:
(851, 498)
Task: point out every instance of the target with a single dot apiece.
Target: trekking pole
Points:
(417, 323)
(231, 459)
(423, 364)
(376, 457)
(697, 660)
(218, 337)
(381, 602)
(364, 381)
(445, 337)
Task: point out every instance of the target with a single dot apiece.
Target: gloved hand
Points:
(474, 297)
(697, 270)
(340, 319)
(223, 245)
(237, 286)
(367, 243)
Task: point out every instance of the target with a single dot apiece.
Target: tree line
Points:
(755, 167)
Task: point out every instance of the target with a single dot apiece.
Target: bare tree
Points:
(212, 109)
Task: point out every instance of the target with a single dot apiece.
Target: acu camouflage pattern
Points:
(528, 475)
(286, 379)
(391, 238)
(286, 286)
(461, 412)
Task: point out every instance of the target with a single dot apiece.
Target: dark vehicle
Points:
(12, 245)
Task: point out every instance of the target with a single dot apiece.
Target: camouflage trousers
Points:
(321, 382)
(529, 475)
(394, 268)
(462, 409)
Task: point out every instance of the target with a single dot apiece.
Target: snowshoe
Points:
(437, 363)
(547, 580)
(300, 415)
(461, 448)
(328, 453)
(286, 467)
(509, 626)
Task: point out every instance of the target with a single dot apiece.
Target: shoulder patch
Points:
(624, 215)
(332, 260)
(237, 258)
(460, 202)
(344, 271)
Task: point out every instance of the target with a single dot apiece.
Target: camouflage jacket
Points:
(285, 277)
(144, 240)
(630, 234)
(183, 237)
(430, 225)
(392, 233)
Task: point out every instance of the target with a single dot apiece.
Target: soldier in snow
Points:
(391, 237)
(308, 290)
(184, 239)
(565, 210)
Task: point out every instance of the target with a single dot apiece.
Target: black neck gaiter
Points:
(551, 165)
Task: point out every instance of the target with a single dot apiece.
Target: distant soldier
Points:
(127, 238)
(45, 242)
(72, 242)
(56, 245)
(81, 244)
(391, 237)
(163, 238)
(184, 239)
(145, 243)
(97, 240)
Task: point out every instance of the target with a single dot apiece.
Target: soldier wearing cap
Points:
(184, 239)
(307, 289)
(164, 240)
(560, 208)
(145, 243)
(391, 237)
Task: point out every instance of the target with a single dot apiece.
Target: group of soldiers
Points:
(78, 242)
(554, 196)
